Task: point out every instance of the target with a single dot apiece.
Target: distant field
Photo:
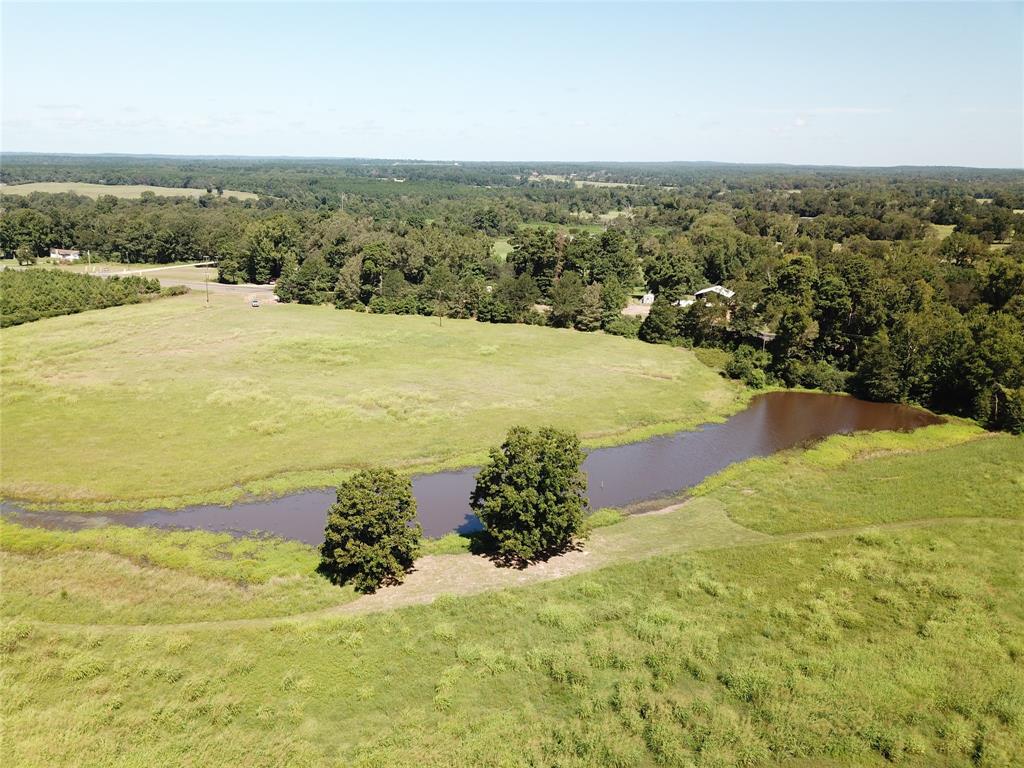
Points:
(117, 190)
(100, 266)
(175, 400)
(563, 227)
(941, 231)
(501, 248)
(586, 183)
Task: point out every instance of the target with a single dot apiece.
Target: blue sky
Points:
(823, 83)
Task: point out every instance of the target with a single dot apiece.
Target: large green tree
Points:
(530, 495)
(566, 299)
(591, 310)
(662, 323)
(370, 538)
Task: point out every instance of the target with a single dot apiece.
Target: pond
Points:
(626, 474)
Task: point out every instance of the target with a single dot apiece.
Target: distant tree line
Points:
(899, 284)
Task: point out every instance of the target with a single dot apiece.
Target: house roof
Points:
(720, 290)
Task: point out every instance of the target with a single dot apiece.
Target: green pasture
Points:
(127, 191)
(175, 401)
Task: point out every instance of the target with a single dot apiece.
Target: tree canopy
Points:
(530, 496)
(371, 538)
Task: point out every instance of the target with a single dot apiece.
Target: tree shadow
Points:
(363, 588)
(483, 545)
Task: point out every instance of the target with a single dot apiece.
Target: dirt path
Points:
(705, 521)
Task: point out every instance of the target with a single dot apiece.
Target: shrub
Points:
(493, 310)
(819, 375)
(623, 326)
(747, 364)
(370, 539)
(530, 495)
(534, 317)
(603, 517)
(402, 305)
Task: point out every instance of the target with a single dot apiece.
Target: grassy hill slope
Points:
(899, 642)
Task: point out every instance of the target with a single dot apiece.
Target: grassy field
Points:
(592, 228)
(184, 272)
(728, 647)
(940, 231)
(171, 402)
(95, 265)
(579, 183)
(792, 492)
(502, 248)
(117, 190)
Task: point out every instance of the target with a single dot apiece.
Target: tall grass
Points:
(888, 645)
(940, 471)
(138, 575)
(754, 656)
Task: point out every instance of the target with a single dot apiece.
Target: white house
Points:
(647, 298)
(65, 255)
(687, 302)
(720, 290)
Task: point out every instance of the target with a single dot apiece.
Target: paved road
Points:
(249, 290)
(246, 289)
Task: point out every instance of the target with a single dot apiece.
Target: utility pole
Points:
(206, 275)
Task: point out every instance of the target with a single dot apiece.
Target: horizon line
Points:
(436, 161)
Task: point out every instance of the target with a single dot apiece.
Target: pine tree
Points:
(660, 326)
(591, 309)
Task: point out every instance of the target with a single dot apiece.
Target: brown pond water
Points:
(618, 476)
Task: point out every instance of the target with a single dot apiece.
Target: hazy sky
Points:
(855, 84)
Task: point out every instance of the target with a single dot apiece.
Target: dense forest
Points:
(902, 284)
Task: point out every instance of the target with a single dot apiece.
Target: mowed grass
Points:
(501, 248)
(173, 401)
(178, 269)
(117, 190)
